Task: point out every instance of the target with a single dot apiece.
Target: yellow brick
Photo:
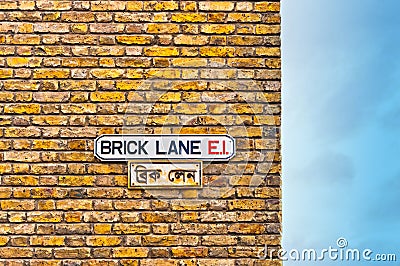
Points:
(245, 40)
(134, 5)
(216, 6)
(22, 156)
(21, 85)
(44, 262)
(246, 62)
(189, 17)
(78, 85)
(128, 85)
(8, 5)
(17, 205)
(26, 5)
(161, 51)
(247, 228)
(108, 5)
(140, 39)
(5, 193)
(102, 229)
(78, 16)
(160, 240)
(163, 28)
(5, 168)
(23, 39)
(163, 97)
(52, 16)
(192, 130)
(12, 252)
(5, 121)
(47, 144)
(103, 241)
(50, 120)
(164, 73)
(190, 217)
(6, 97)
(189, 62)
(217, 51)
(21, 180)
(21, 193)
(23, 62)
(187, 252)
(74, 204)
(51, 96)
(77, 144)
(128, 252)
(73, 217)
(191, 40)
(107, 96)
(184, 108)
(273, 63)
(53, 5)
(133, 62)
(162, 120)
(84, 108)
(244, 17)
(22, 109)
(245, 132)
(267, 7)
(6, 73)
(76, 156)
(268, 29)
(192, 85)
(47, 240)
(3, 240)
(6, 50)
(5, 145)
(218, 28)
(268, 51)
(46, 205)
(160, 5)
(76, 181)
(79, 28)
(131, 228)
(159, 217)
(107, 73)
(78, 97)
(25, 28)
(50, 73)
(23, 96)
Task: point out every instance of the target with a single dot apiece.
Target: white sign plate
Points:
(165, 174)
(180, 147)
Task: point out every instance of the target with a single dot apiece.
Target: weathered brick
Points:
(51, 73)
(218, 28)
(267, 6)
(189, 17)
(134, 39)
(13, 252)
(17, 205)
(163, 28)
(216, 6)
(108, 5)
(47, 240)
(130, 252)
(74, 70)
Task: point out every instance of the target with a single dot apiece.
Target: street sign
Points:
(174, 147)
(165, 174)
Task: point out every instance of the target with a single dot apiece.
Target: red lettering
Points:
(212, 147)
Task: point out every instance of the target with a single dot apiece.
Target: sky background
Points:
(341, 125)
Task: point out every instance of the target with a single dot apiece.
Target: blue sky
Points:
(341, 125)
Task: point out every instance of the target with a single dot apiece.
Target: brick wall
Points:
(73, 70)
